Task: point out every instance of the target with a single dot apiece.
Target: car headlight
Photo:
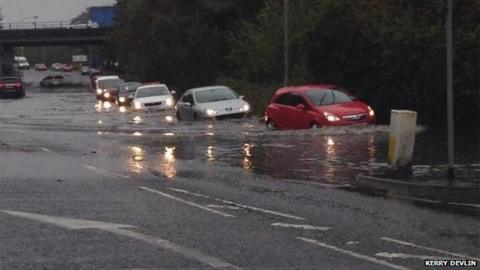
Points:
(138, 105)
(106, 95)
(210, 112)
(99, 91)
(371, 112)
(121, 99)
(169, 102)
(331, 117)
(246, 108)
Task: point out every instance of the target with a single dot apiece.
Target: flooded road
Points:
(89, 185)
(329, 155)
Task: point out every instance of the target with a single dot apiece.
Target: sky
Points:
(46, 10)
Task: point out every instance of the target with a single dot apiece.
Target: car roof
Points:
(101, 78)
(304, 88)
(151, 85)
(205, 88)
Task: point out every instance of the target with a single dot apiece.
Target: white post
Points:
(401, 141)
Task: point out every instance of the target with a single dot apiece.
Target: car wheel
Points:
(179, 117)
(271, 125)
(315, 125)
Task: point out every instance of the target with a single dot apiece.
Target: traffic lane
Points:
(152, 215)
(449, 232)
(255, 244)
(30, 245)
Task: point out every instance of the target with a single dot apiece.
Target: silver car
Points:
(212, 102)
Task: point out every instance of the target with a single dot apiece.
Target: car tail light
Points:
(2, 85)
(17, 85)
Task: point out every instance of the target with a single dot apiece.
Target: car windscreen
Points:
(109, 83)
(9, 79)
(323, 97)
(215, 94)
(152, 92)
(131, 87)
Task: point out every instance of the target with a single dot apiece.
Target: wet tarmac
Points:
(86, 185)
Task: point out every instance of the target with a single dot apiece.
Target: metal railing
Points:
(42, 25)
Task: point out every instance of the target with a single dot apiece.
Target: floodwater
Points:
(329, 155)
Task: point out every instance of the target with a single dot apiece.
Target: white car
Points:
(104, 84)
(89, 24)
(153, 97)
(212, 102)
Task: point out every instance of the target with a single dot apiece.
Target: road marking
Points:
(186, 202)
(29, 138)
(104, 172)
(407, 256)
(428, 248)
(81, 224)
(300, 226)
(271, 212)
(353, 254)
(222, 206)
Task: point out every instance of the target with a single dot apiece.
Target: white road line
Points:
(271, 212)
(98, 170)
(407, 256)
(104, 172)
(29, 138)
(186, 202)
(354, 254)
(300, 226)
(222, 206)
(82, 224)
(388, 239)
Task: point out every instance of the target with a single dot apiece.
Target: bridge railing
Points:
(40, 25)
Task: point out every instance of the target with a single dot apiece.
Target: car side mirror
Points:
(301, 107)
(173, 92)
(189, 104)
(130, 97)
(242, 97)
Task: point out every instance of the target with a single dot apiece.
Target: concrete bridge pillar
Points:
(7, 59)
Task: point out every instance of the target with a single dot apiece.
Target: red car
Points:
(11, 86)
(67, 67)
(315, 106)
(40, 67)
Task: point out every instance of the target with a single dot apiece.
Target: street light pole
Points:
(450, 128)
(285, 42)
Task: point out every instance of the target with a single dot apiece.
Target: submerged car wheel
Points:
(315, 126)
(179, 117)
(271, 125)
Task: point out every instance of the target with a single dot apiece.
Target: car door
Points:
(184, 106)
(283, 111)
(300, 117)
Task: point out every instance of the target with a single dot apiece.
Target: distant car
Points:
(11, 86)
(52, 81)
(153, 97)
(56, 67)
(88, 24)
(40, 67)
(67, 67)
(315, 106)
(126, 92)
(85, 70)
(21, 62)
(212, 102)
(106, 87)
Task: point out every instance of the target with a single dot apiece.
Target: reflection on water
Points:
(210, 156)
(247, 159)
(137, 120)
(135, 164)
(137, 134)
(168, 163)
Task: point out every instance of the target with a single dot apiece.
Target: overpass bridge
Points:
(36, 34)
